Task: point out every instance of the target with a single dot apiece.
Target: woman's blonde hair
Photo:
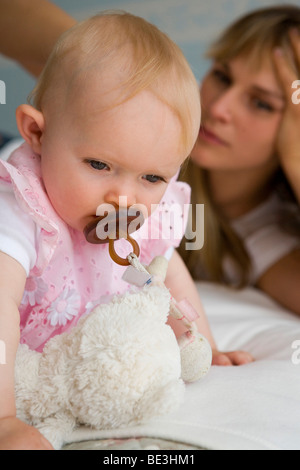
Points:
(143, 57)
(254, 37)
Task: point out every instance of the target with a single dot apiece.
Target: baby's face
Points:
(91, 157)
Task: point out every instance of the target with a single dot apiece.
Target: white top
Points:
(18, 232)
(9, 147)
(264, 239)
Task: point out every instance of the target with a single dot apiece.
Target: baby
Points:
(116, 113)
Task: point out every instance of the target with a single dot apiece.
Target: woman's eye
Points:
(153, 178)
(221, 76)
(262, 105)
(97, 165)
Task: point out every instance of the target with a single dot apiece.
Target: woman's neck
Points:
(237, 192)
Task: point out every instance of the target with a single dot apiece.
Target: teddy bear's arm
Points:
(181, 286)
(57, 428)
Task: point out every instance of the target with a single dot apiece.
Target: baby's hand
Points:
(232, 358)
(16, 435)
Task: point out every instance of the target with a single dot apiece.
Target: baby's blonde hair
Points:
(144, 57)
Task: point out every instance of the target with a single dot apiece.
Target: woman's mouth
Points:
(208, 136)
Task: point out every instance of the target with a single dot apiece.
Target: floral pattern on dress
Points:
(35, 290)
(64, 308)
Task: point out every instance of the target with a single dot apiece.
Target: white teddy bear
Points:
(121, 365)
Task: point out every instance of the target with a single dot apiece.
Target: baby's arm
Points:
(181, 286)
(14, 434)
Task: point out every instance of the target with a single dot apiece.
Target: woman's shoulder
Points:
(269, 213)
(266, 234)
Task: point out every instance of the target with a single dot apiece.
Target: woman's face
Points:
(241, 112)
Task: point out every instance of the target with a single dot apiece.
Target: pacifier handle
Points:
(115, 257)
(120, 223)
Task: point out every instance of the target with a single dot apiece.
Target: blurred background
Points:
(192, 24)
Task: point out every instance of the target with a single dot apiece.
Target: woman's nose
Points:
(221, 106)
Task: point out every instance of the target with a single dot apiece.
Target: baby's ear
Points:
(31, 124)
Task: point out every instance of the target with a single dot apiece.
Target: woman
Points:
(245, 165)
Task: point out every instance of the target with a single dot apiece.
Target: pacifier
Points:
(112, 226)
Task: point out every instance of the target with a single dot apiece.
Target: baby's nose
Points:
(121, 196)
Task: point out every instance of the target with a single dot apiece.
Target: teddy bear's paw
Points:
(196, 356)
(57, 428)
(160, 401)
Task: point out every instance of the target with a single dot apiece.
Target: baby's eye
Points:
(97, 165)
(153, 178)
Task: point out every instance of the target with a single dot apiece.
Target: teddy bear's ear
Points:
(158, 267)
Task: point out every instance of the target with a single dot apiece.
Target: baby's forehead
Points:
(86, 84)
(89, 84)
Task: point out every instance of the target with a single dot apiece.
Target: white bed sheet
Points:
(252, 407)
